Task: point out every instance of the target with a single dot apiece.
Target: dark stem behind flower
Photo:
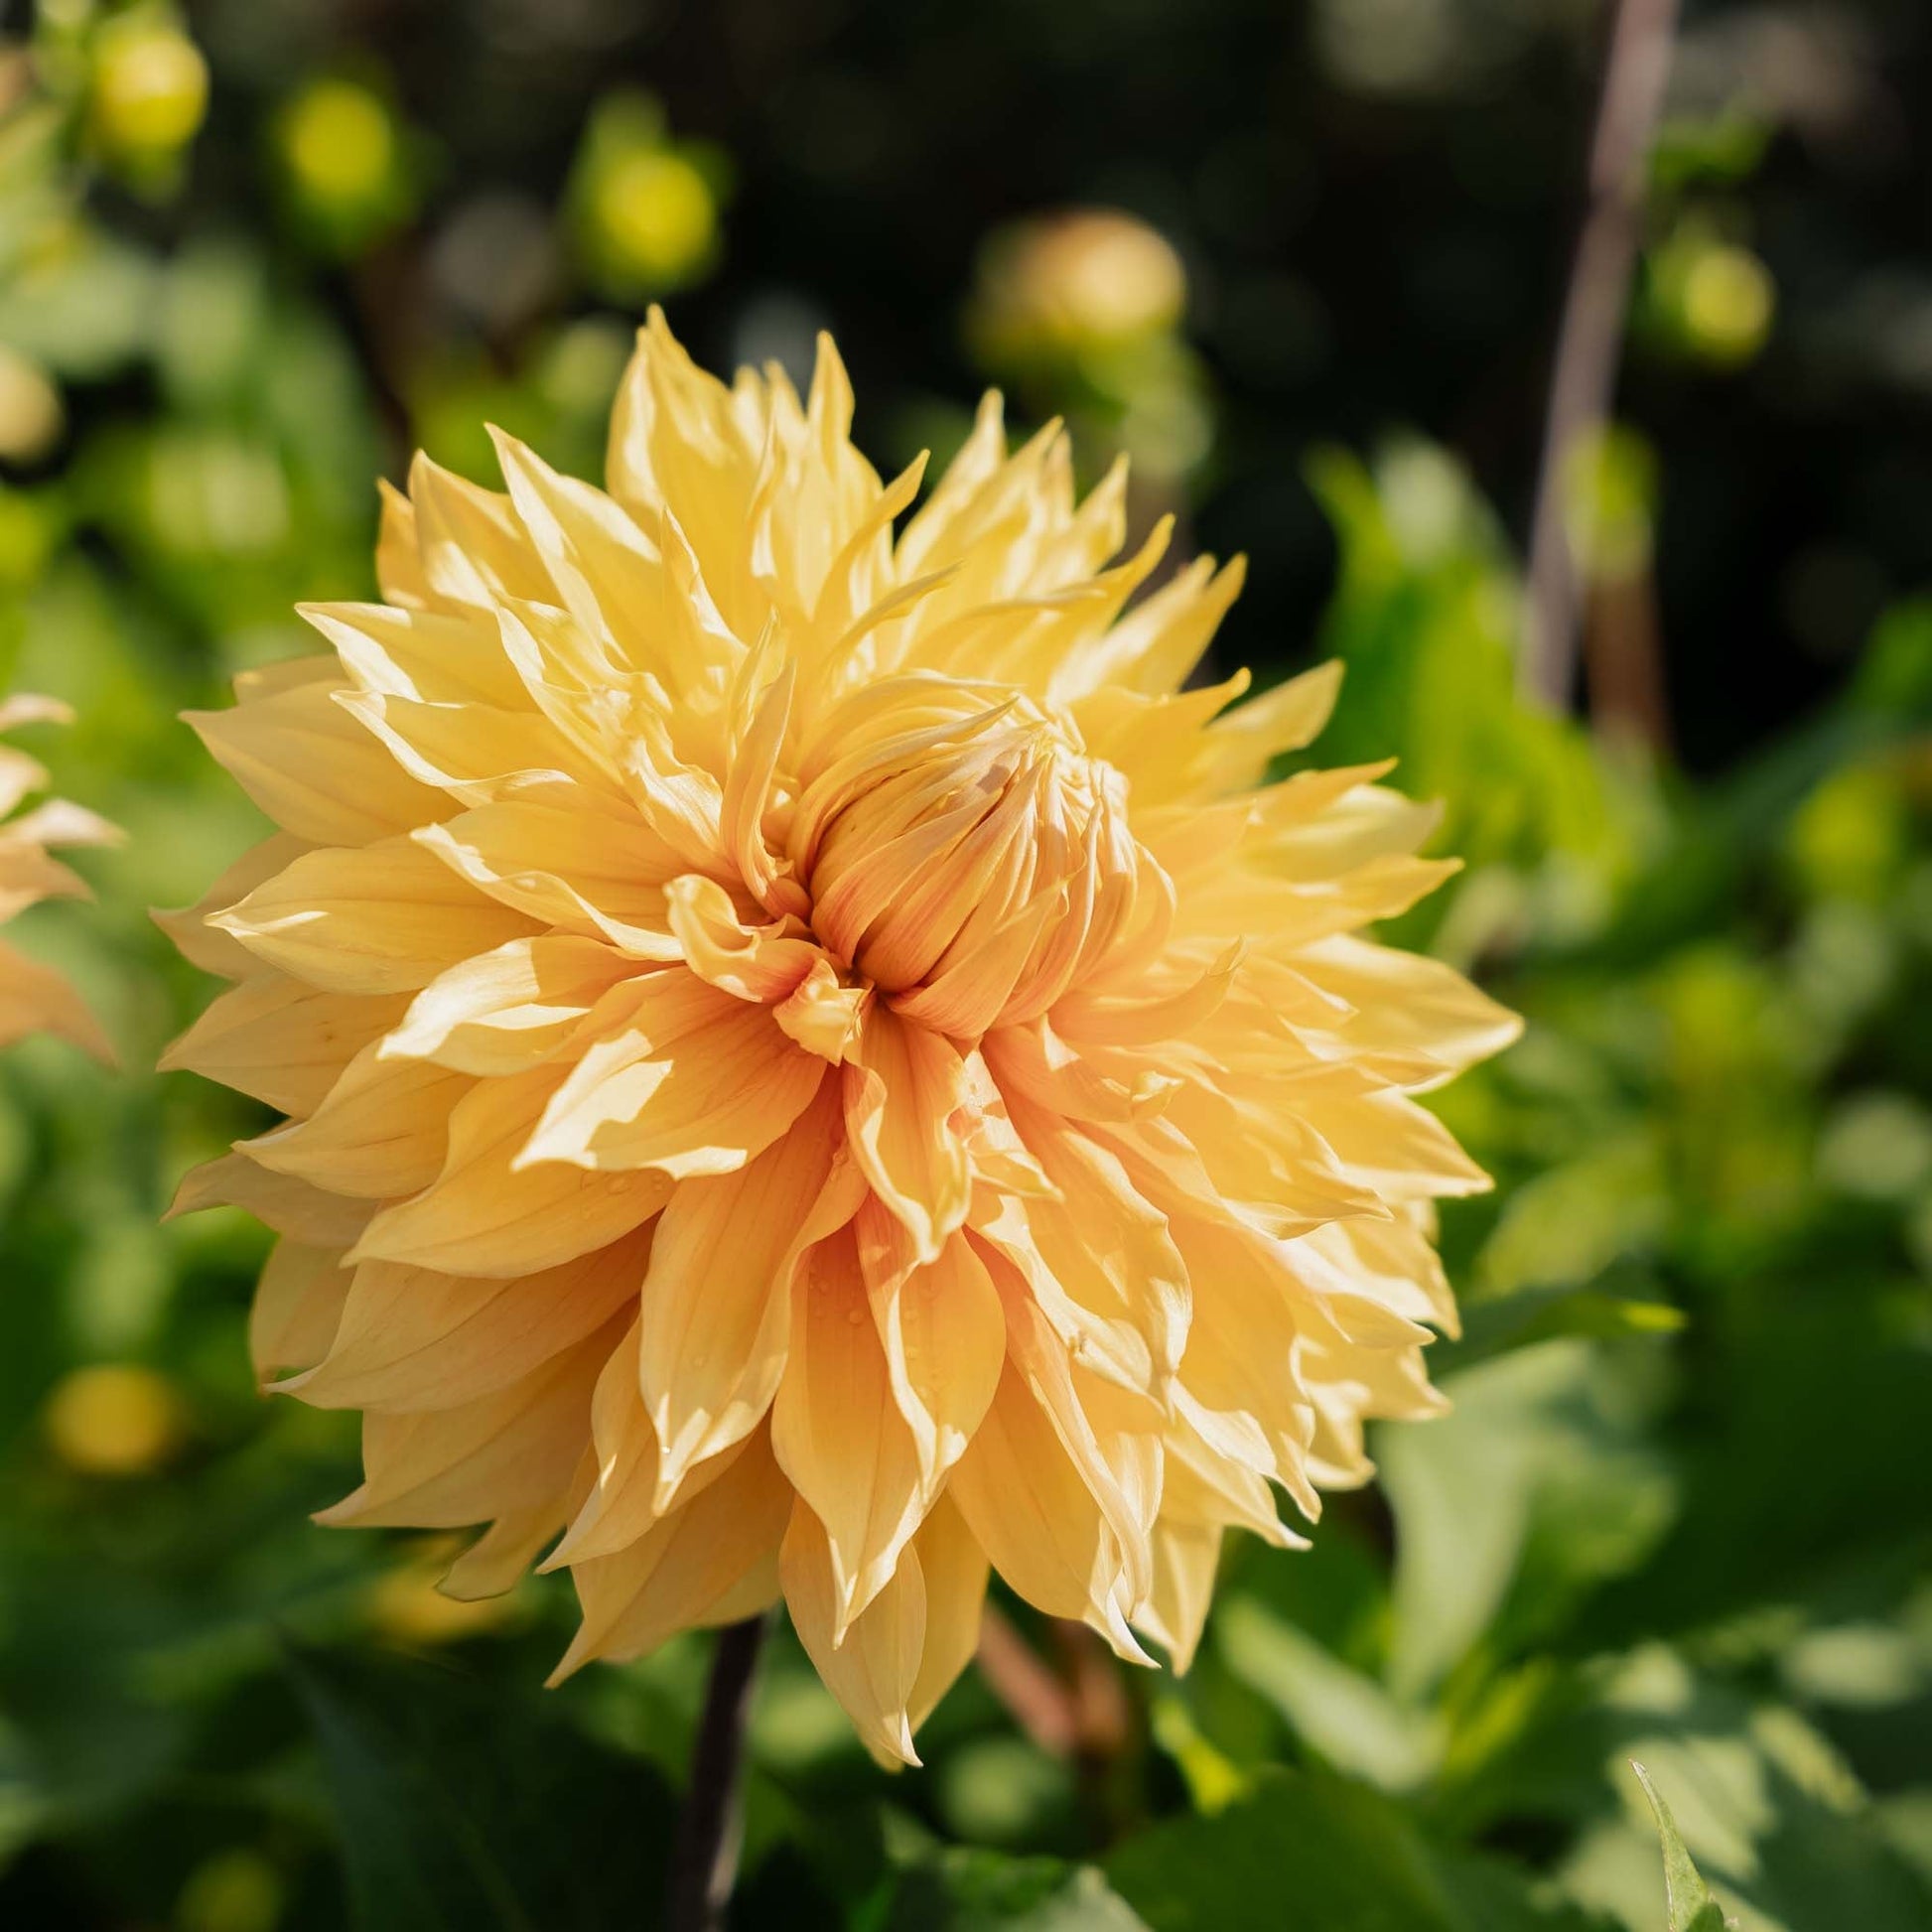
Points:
(704, 1863)
(1591, 338)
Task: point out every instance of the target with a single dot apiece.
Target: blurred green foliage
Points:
(1682, 1513)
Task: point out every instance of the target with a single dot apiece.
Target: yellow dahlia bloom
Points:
(34, 998)
(815, 1067)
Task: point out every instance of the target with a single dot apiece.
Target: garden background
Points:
(254, 254)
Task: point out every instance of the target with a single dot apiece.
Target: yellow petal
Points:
(901, 1088)
(1028, 1508)
(682, 1078)
(871, 1665)
(764, 963)
(1097, 1257)
(205, 946)
(508, 1009)
(954, 1569)
(383, 1131)
(944, 1336)
(470, 546)
(36, 999)
(1185, 1558)
(412, 1339)
(513, 1450)
(313, 769)
(716, 1319)
(298, 1307)
(431, 657)
(1406, 1003)
(385, 919)
(481, 1215)
(574, 865)
(824, 1015)
(711, 1560)
(297, 1208)
(838, 1433)
(281, 1041)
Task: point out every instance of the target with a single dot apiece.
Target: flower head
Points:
(814, 1066)
(34, 998)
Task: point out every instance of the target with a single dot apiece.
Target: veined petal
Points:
(512, 1449)
(297, 1208)
(572, 866)
(471, 549)
(385, 919)
(412, 1339)
(838, 1433)
(711, 1560)
(382, 1131)
(823, 1014)
(280, 1041)
(944, 1335)
(440, 657)
(207, 946)
(901, 1088)
(1038, 1523)
(871, 1664)
(682, 1078)
(298, 1307)
(764, 963)
(313, 769)
(716, 1320)
(1404, 1001)
(506, 1009)
(483, 1215)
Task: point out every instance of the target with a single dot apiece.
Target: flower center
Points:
(963, 853)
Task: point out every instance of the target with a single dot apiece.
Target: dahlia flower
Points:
(34, 998)
(815, 1067)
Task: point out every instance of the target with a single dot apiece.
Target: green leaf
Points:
(1691, 1905)
(1343, 1713)
(977, 1891)
(1315, 1853)
(1510, 1509)
(463, 1807)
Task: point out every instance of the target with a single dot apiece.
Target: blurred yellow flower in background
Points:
(816, 1066)
(1074, 281)
(644, 209)
(114, 1419)
(150, 87)
(33, 997)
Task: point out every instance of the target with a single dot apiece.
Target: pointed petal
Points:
(838, 1433)
(943, 1332)
(385, 919)
(872, 1666)
(716, 1313)
(901, 1088)
(682, 1078)
(481, 1215)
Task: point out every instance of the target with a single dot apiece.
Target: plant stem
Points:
(704, 1863)
(1591, 337)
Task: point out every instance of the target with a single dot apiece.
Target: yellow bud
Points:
(30, 415)
(340, 142)
(1729, 297)
(149, 88)
(233, 1892)
(114, 1419)
(654, 215)
(1609, 477)
(1074, 283)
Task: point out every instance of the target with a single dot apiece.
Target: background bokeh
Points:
(1301, 260)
